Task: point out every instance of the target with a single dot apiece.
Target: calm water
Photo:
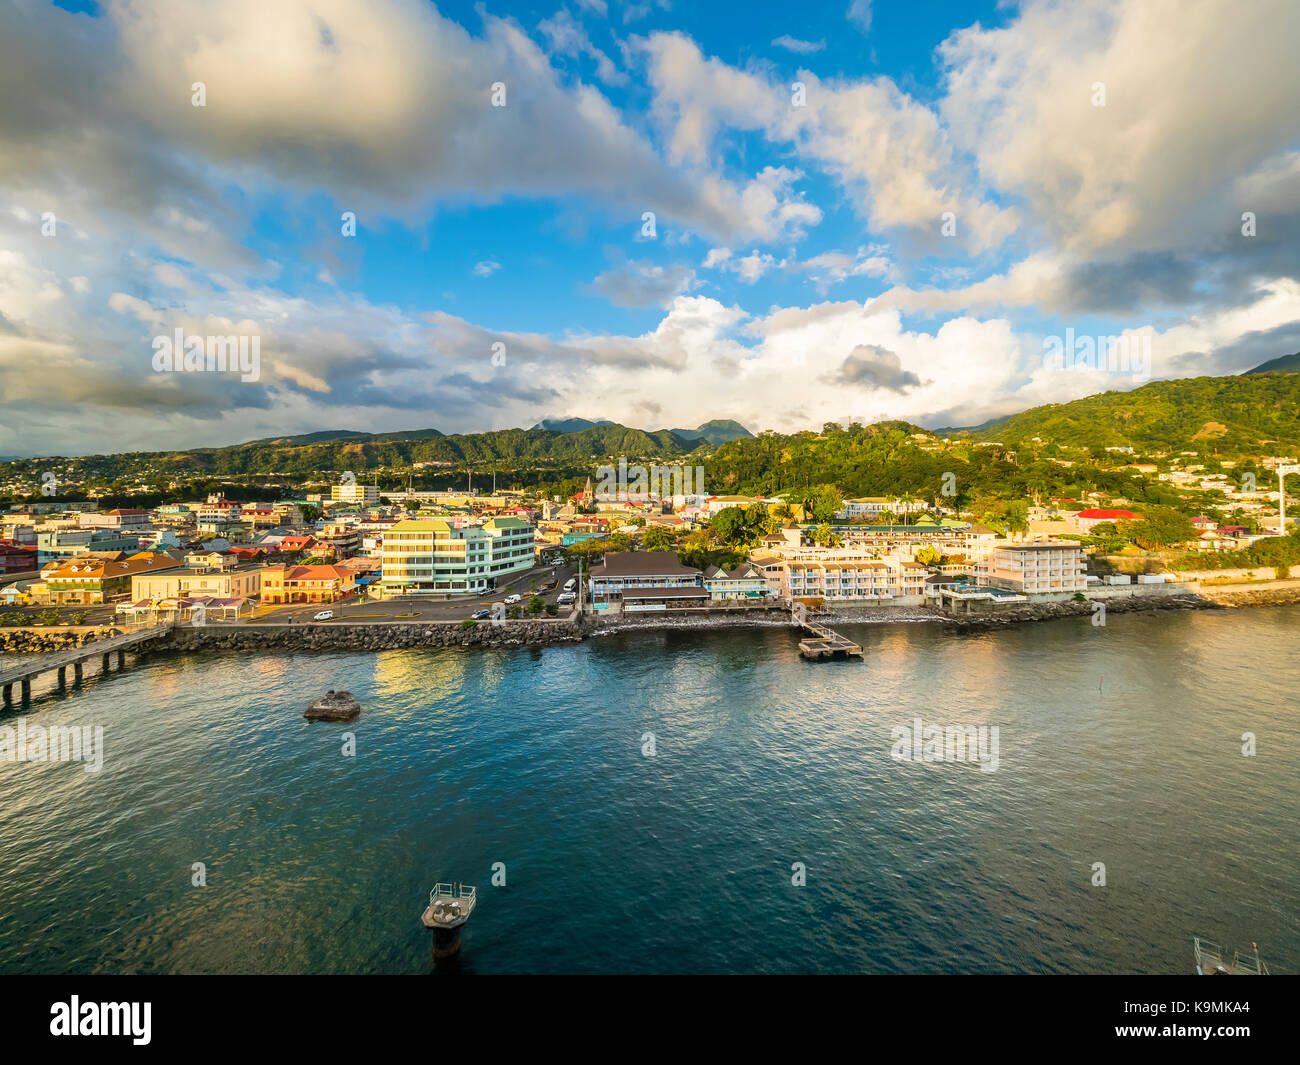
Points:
(1119, 745)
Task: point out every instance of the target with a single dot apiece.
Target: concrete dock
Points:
(23, 674)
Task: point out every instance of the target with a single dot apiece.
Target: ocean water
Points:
(1119, 745)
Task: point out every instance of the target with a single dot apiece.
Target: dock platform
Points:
(826, 643)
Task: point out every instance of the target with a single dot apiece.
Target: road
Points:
(436, 608)
(424, 609)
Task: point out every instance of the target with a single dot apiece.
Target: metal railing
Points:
(1209, 957)
(452, 891)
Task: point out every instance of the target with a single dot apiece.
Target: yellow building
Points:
(232, 584)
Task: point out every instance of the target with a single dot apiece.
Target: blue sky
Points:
(949, 187)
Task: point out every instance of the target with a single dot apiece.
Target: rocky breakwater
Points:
(39, 640)
(338, 636)
(1011, 615)
(1281, 594)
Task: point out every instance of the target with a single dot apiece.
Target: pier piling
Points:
(57, 662)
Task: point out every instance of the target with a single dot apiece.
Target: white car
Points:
(570, 583)
(324, 615)
(513, 599)
(566, 598)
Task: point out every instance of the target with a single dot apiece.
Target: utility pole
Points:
(1282, 472)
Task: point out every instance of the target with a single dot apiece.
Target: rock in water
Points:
(334, 706)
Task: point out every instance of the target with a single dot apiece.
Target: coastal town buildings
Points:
(89, 580)
(16, 557)
(423, 555)
(240, 583)
(1038, 567)
(1087, 519)
(874, 506)
(306, 584)
(840, 581)
(744, 582)
(645, 580)
(354, 492)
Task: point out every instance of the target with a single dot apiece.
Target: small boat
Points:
(1212, 961)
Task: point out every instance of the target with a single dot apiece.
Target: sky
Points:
(475, 216)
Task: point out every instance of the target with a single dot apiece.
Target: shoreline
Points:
(532, 633)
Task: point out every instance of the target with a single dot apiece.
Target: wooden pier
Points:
(825, 643)
(76, 657)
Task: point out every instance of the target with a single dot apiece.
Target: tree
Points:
(928, 556)
(824, 537)
(657, 538)
(1160, 527)
(536, 604)
(729, 523)
(824, 502)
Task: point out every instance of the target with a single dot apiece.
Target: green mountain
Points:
(1282, 364)
(1247, 414)
(350, 435)
(335, 451)
(570, 425)
(715, 432)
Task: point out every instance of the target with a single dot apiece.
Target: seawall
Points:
(333, 637)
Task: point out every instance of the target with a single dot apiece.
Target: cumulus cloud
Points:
(889, 152)
(1065, 211)
(388, 107)
(874, 367)
(1195, 95)
(643, 284)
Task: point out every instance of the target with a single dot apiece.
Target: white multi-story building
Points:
(216, 511)
(431, 555)
(354, 492)
(878, 580)
(874, 506)
(121, 518)
(1037, 567)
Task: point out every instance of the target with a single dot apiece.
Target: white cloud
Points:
(643, 284)
(859, 13)
(889, 152)
(1195, 95)
(794, 44)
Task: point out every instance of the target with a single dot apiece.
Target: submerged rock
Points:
(334, 706)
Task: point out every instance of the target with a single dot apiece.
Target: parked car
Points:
(479, 615)
(566, 598)
(513, 598)
(570, 584)
(324, 615)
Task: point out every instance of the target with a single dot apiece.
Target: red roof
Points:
(1106, 515)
